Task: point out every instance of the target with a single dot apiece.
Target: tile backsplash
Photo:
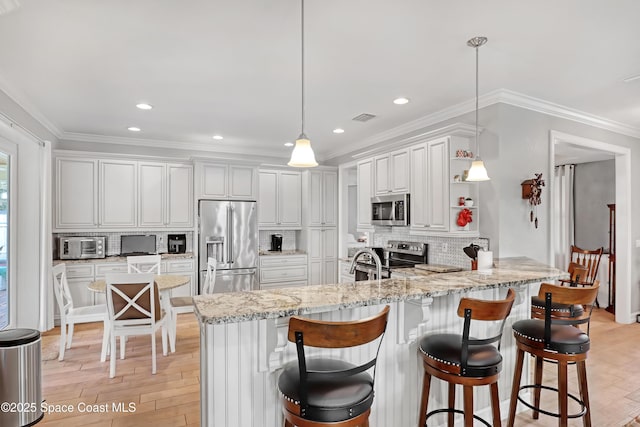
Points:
(113, 240)
(454, 255)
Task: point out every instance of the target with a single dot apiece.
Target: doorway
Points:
(562, 143)
(4, 240)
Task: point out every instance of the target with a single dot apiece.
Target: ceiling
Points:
(233, 67)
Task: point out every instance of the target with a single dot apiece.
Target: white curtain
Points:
(564, 214)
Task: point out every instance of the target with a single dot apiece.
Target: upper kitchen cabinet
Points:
(430, 186)
(226, 181)
(321, 198)
(279, 200)
(118, 194)
(165, 195)
(76, 193)
(392, 173)
(365, 191)
(438, 188)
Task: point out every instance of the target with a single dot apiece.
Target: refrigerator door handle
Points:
(250, 273)
(231, 237)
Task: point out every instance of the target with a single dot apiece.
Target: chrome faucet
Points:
(374, 257)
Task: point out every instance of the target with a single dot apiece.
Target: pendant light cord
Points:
(302, 62)
(477, 142)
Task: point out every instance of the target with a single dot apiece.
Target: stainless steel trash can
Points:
(20, 378)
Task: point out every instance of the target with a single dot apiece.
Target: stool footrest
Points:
(551, 414)
(456, 411)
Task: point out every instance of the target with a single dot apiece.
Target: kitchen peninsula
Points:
(244, 338)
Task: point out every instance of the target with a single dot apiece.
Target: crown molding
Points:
(21, 101)
(503, 96)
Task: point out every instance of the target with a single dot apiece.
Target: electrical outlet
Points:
(445, 247)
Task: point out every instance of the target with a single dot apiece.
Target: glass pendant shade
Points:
(478, 172)
(302, 155)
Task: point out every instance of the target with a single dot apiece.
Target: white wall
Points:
(595, 188)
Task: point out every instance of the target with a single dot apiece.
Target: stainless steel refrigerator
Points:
(228, 232)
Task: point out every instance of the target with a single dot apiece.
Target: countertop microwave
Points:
(390, 210)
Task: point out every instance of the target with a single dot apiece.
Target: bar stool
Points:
(577, 273)
(322, 391)
(459, 359)
(556, 339)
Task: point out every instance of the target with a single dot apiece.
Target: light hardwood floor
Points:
(172, 396)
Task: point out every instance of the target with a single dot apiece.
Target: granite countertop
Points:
(118, 258)
(281, 253)
(283, 302)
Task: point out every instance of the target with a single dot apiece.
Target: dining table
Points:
(165, 282)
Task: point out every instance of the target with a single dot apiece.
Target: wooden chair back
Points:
(144, 264)
(585, 296)
(210, 277)
(589, 259)
(577, 272)
(133, 298)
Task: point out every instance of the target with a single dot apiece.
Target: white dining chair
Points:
(185, 304)
(134, 309)
(144, 264)
(70, 314)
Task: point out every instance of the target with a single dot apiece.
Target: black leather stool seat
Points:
(329, 399)
(571, 310)
(483, 360)
(565, 339)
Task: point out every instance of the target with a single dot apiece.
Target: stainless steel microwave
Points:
(81, 247)
(390, 210)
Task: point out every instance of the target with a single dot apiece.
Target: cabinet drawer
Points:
(80, 270)
(177, 266)
(104, 269)
(279, 261)
(289, 274)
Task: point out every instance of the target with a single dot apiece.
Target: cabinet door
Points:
(315, 272)
(316, 242)
(268, 198)
(76, 199)
(289, 199)
(382, 185)
(330, 243)
(365, 187)
(118, 195)
(438, 184)
(316, 208)
(330, 271)
(214, 181)
(180, 195)
(151, 193)
(330, 198)
(399, 171)
(419, 211)
(242, 182)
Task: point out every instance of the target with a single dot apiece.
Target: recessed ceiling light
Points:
(217, 137)
(133, 129)
(400, 101)
(288, 144)
(338, 130)
(144, 106)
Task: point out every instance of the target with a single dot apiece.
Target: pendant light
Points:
(477, 172)
(302, 155)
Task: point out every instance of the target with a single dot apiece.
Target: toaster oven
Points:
(82, 247)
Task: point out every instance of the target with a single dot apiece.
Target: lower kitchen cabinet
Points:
(323, 255)
(279, 271)
(181, 267)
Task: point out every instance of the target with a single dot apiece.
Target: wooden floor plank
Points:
(172, 398)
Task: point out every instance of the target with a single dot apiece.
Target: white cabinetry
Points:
(118, 193)
(76, 193)
(460, 188)
(323, 198)
(181, 267)
(430, 186)
(79, 276)
(345, 275)
(392, 173)
(279, 271)
(365, 191)
(226, 181)
(279, 200)
(165, 195)
(323, 255)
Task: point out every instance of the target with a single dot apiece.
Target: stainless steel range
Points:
(397, 254)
